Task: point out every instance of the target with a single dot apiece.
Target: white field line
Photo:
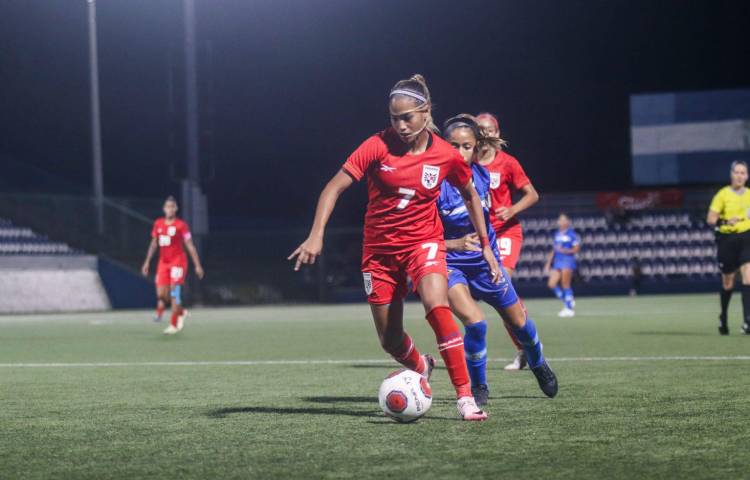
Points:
(231, 363)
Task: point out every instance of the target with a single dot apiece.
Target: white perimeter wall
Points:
(50, 284)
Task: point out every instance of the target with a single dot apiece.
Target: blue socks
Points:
(530, 341)
(475, 345)
(566, 295)
(568, 298)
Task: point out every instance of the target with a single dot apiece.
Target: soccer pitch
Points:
(648, 389)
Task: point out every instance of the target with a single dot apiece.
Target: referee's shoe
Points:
(723, 328)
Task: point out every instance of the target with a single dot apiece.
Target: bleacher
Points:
(663, 246)
(24, 241)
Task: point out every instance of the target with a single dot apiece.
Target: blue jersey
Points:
(456, 221)
(567, 240)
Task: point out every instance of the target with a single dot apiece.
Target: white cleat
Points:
(468, 410)
(181, 320)
(170, 330)
(566, 313)
(518, 363)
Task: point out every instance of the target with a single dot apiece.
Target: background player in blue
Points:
(561, 264)
(468, 276)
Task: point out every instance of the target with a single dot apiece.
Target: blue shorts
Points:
(479, 281)
(564, 263)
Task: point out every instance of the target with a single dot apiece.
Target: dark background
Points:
(289, 88)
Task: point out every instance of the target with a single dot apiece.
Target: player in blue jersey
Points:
(468, 276)
(561, 263)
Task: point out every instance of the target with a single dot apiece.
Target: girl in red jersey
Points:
(403, 236)
(506, 177)
(168, 234)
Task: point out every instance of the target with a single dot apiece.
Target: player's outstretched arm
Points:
(195, 258)
(476, 214)
(149, 255)
(310, 249)
(529, 197)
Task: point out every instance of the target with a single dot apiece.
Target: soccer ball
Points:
(405, 396)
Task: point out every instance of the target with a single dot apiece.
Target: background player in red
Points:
(168, 235)
(403, 234)
(506, 178)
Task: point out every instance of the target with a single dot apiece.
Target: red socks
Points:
(159, 311)
(451, 348)
(408, 355)
(176, 311)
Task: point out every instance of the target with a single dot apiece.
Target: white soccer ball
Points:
(405, 395)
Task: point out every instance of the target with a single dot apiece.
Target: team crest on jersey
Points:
(494, 180)
(430, 176)
(171, 230)
(367, 277)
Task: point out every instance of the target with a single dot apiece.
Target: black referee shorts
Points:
(733, 250)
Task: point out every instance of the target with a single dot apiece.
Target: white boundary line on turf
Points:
(230, 363)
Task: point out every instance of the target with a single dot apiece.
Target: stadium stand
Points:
(656, 246)
(24, 241)
(38, 274)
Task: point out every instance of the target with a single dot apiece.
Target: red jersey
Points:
(506, 176)
(170, 237)
(403, 189)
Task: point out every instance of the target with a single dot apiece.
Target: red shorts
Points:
(171, 273)
(386, 275)
(509, 244)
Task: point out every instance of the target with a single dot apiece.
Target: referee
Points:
(729, 213)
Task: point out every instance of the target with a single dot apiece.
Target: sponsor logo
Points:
(367, 277)
(387, 168)
(494, 180)
(430, 176)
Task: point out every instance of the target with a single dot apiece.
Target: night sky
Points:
(289, 88)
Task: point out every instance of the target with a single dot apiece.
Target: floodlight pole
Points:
(191, 93)
(96, 135)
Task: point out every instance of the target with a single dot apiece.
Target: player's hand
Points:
(470, 243)
(307, 252)
(199, 272)
(504, 213)
(144, 270)
(733, 221)
(489, 257)
(546, 268)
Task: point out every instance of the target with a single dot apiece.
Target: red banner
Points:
(640, 199)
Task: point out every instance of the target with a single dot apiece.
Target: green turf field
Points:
(107, 396)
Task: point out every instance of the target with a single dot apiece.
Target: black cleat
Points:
(481, 394)
(546, 378)
(723, 329)
(746, 328)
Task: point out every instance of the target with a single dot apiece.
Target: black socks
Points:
(746, 303)
(725, 295)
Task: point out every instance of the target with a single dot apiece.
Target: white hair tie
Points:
(409, 93)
